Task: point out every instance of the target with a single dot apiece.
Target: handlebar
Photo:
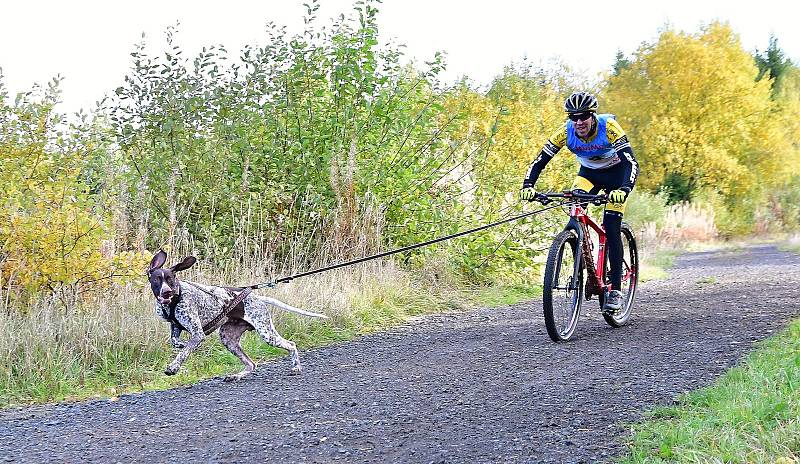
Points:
(573, 196)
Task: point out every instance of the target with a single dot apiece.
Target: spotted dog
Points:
(196, 308)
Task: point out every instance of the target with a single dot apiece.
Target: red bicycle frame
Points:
(578, 213)
(595, 284)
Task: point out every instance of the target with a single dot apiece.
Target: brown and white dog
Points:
(191, 307)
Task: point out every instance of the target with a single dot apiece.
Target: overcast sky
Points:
(88, 42)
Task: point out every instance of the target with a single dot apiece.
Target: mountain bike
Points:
(571, 273)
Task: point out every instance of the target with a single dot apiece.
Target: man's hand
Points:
(617, 196)
(527, 193)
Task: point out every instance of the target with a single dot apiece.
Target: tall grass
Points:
(663, 230)
(659, 225)
(51, 352)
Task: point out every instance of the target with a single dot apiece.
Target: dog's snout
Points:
(165, 291)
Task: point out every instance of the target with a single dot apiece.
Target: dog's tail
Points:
(292, 309)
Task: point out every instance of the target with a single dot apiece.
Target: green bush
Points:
(643, 208)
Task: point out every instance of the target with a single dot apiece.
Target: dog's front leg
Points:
(195, 329)
(175, 337)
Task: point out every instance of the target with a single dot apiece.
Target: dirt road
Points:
(485, 386)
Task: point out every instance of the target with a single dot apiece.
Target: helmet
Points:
(580, 102)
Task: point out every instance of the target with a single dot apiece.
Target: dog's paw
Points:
(233, 377)
(295, 371)
(171, 370)
(179, 345)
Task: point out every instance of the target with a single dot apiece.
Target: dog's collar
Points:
(176, 298)
(173, 303)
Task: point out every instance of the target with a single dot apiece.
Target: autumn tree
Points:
(55, 236)
(697, 116)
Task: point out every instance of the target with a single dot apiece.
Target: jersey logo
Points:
(588, 147)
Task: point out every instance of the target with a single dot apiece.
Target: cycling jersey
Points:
(606, 146)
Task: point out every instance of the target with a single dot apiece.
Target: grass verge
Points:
(792, 244)
(655, 264)
(751, 415)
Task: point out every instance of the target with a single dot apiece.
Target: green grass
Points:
(654, 266)
(792, 248)
(495, 296)
(751, 415)
(792, 245)
(708, 280)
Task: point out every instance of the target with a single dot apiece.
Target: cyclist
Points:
(607, 163)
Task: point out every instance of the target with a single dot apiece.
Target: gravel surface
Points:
(483, 386)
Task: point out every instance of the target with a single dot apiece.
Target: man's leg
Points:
(582, 183)
(612, 222)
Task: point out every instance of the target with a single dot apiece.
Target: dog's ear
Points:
(185, 264)
(158, 260)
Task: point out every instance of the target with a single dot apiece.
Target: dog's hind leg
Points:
(275, 339)
(261, 320)
(230, 333)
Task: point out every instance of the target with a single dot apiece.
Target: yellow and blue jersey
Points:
(605, 146)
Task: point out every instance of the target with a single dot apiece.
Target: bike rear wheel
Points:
(630, 279)
(563, 286)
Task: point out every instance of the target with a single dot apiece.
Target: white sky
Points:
(88, 42)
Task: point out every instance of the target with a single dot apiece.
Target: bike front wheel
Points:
(630, 279)
(563, 286)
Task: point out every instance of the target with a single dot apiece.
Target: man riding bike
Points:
(607, 163)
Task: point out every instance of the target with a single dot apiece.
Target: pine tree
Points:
(774, 61)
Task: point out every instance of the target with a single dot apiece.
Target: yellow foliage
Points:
(57, 242)
(525, 130)
(691, 106)
(788, 102)
(513, 122)
(51, 227)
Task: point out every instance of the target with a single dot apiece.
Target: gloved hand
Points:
(527, 193)
(617, 196)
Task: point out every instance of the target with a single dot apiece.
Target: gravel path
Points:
(485, 386)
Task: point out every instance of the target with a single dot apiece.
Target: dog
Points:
(192, 307)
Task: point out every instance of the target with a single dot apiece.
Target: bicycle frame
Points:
(581, 223)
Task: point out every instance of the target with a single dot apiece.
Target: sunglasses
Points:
(580, 116)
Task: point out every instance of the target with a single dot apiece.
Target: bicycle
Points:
(572, 253)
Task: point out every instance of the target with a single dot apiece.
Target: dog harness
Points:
(213, 324)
